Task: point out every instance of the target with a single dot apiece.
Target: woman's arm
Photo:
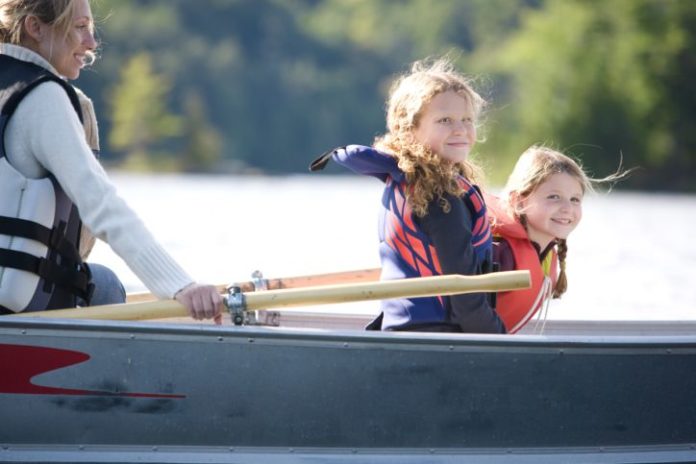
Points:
(45, 135)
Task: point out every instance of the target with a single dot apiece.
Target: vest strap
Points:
(25, 229)
(76, 281)
(52, 238)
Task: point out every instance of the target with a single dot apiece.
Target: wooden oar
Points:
(326, 294)
(332, 278)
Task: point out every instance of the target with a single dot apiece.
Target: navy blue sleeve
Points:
(451, 236)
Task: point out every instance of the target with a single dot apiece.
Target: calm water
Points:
(632, 257)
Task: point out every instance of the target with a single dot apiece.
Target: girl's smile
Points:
(446, 126)
(554, 209)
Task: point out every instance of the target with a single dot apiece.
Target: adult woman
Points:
(48, 173)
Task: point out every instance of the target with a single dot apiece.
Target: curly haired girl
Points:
(433, 219)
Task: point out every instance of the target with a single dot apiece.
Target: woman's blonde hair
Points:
(429, 175)
(532, 169)
(56, 13)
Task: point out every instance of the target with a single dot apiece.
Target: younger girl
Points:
(540, 206)
(433, 219)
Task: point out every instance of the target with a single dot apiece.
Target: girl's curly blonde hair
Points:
(428, 175)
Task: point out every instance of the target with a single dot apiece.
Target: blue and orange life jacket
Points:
(516, 308)
(405, 249)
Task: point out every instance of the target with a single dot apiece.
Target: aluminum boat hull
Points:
(88, 391)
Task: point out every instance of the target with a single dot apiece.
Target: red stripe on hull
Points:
(19, 364)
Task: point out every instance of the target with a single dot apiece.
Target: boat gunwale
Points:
(353, 337)
(674, 453)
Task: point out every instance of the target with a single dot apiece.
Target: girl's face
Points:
(554, 209)
(67, 54)
(447, 126)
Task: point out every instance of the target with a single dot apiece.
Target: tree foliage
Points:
(141, 121)
(268, 84)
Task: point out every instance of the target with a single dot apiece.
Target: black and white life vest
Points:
(40, 267)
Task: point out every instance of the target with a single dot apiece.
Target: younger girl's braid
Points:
(562, 284)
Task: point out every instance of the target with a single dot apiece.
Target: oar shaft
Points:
(383, 290)
(327, 294)
(331, 278)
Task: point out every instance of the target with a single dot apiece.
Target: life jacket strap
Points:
(77, 281)
(52, 238)
(24, 228)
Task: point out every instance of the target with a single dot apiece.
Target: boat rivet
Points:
(669, 351)
(354, 451)
(251, 340)
(431, 451)
(154, 448)
(291, 450)
(345, 345)
(81, 447)
(132, 336)
(231, 449)
(24, 332)
(451, 348)
(219, 339)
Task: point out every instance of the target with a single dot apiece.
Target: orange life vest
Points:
(516, 308)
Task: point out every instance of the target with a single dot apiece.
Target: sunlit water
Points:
(632, 257)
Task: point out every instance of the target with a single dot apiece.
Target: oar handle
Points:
(325, 294)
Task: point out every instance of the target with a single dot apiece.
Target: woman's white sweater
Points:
(45, 136)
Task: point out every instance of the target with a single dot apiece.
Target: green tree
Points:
(140, 118)
(280, 81)
(202, 142)
(589, 77)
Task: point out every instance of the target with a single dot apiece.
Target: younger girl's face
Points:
(554, 209)
(446, 126)
(67, 54)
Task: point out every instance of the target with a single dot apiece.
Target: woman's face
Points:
(68, 53)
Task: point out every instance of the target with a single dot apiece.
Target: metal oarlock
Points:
(258, 281)
(235, 304)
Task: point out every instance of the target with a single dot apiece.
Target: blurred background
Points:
(264, 86)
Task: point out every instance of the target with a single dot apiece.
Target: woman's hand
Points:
(202, 301)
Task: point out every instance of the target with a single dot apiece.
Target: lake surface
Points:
(632, 256)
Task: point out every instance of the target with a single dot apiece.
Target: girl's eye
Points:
(577, 200)
(553, 196)
(444, 120)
